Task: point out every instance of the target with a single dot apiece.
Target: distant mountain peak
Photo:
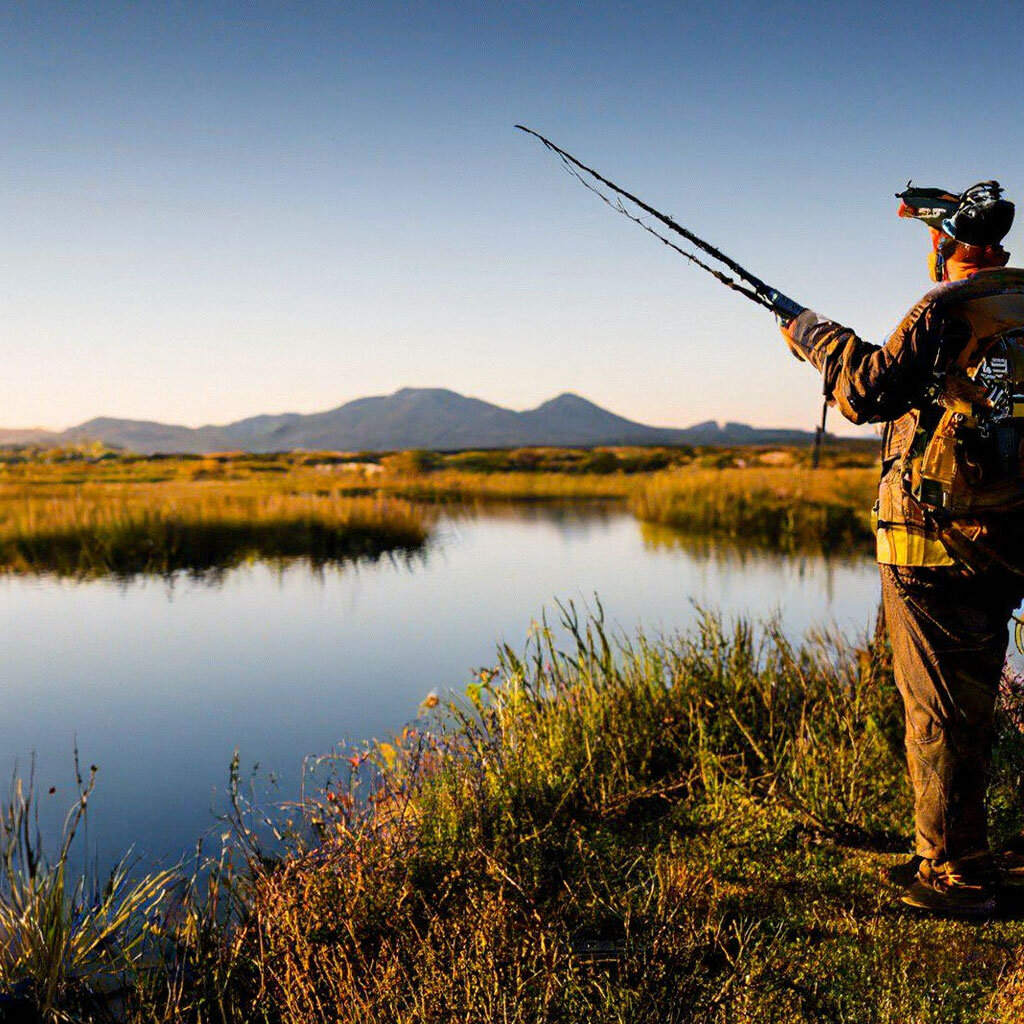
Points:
(424, 393)
(569, 400)
(410, 417)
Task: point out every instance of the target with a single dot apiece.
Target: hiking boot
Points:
(904, 873)
(961, 889)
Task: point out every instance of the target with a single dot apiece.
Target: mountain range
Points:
(433, 418)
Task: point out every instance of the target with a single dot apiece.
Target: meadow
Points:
(685, 828)
(88, 512)
(121, 516)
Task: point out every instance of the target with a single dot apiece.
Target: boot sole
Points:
(984, 909)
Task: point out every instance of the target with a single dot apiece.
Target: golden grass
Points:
(129, 514)
(457, 485)
(118, 529)
(785, 507)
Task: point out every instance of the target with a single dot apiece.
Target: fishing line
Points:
(617, 205)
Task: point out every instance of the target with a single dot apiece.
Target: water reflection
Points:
(161, 679)
(729, 554)
(731, 551)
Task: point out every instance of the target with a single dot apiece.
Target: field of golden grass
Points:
(123, 529)
(123, 514)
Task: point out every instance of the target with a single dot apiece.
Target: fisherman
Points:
(948, 385)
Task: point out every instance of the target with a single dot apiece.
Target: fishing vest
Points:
(966, 458)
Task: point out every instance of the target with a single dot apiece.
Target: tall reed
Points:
(634, 830)
(785, 508)
(73, 944)
(133, 506)
(685, 828)
(123, 531)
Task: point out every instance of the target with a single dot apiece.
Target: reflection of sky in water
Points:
(160, 681)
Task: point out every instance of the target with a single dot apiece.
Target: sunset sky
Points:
(214, 210)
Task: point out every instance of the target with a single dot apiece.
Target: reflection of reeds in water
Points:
(166, 528)
(782, 508)
(738, 553)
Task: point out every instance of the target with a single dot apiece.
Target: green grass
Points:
(72, 942)
(711, 808)
(676, 829)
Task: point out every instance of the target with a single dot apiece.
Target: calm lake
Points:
(159, 681)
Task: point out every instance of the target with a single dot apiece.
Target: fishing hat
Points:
(977, 216)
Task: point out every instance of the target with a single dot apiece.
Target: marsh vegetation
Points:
(674, 828)
(92, 512)
(787, 508)
(682, 828)
(121, 530)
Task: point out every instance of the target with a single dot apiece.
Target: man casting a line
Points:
(949, 386)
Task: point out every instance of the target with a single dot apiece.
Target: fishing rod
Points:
(748, 285)
(760, 292)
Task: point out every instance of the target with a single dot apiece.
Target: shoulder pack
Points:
(967, 456)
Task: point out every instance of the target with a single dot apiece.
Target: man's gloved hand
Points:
(787, 312)
(797, 333)
(786, 326)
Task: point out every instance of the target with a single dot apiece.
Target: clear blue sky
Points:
(214, 210)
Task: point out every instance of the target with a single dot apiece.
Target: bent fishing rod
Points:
(744, 282)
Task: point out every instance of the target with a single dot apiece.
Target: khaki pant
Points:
(948, 632)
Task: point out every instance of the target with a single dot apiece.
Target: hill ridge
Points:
(411, 417)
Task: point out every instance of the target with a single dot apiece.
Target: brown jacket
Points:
(887, 384)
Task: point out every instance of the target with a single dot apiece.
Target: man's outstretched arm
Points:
(869, 383)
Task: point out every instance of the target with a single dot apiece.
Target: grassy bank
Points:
(680, 830)
(685, 829)
(122, 530)
(784, 508)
